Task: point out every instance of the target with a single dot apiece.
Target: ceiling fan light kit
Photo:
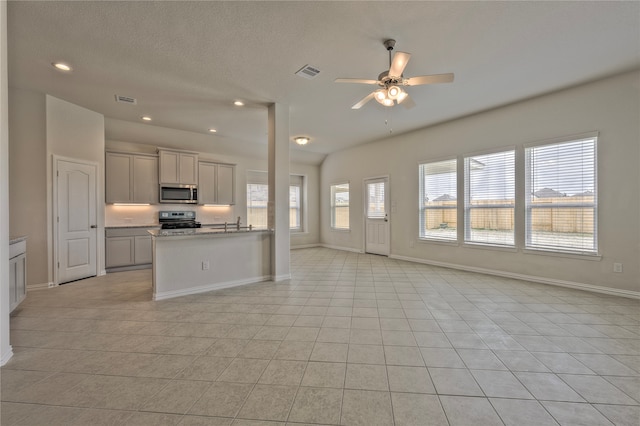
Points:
(391, 93)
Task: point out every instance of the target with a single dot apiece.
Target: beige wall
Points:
(77, 133)
(28, 179)
(43, 126)
(609, 106)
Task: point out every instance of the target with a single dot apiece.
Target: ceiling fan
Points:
(391, 92)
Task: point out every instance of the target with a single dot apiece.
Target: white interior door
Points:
(76, 220)
(377, 216)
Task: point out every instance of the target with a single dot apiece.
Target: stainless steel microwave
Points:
(178, 194)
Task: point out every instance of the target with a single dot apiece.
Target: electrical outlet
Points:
(617, 267)
(205, 265)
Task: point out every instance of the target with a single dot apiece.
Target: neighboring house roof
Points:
(584, 194)
(548, 193)
(445, 197)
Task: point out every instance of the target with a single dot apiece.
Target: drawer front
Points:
(17, 249)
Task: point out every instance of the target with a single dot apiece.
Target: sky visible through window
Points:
(567, 168)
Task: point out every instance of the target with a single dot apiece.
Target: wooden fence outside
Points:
(569, 219)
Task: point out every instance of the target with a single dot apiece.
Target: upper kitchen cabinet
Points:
(178, 167)
(216, 183)
(131, 178)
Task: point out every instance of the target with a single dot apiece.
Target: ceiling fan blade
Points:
(407, 102)
(400, 60)
(364, 101)
(429, 79)
(356, 80)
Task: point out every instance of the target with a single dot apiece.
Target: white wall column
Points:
(278, 207)
(5, 347)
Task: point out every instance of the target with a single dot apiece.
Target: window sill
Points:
(436, 241)
(296, 232)
(340, 230)
(510, 249)
(568, 255)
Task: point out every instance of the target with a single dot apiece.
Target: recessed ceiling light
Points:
(301, 140)
(146, 118)
(238, 103)
(212, 130)
(61, 66)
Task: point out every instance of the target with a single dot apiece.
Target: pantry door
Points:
(377, 216)
(75, 219)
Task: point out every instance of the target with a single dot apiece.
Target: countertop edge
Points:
(15, 240)
(200, 233)
(132, 226)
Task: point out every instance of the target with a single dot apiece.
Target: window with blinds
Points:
(561, 196)
(258, 198)
(295, 202)
(375, 200)
(340, 206)
(490, 198)
(438, 200)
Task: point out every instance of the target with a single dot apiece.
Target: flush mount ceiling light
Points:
(301, 140)
(61, 66)
(238, 103)
(145, 118)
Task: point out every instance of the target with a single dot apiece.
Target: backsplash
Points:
(148, 215)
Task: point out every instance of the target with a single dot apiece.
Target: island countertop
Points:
(203, 232)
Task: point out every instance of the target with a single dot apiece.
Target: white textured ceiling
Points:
(186, 62)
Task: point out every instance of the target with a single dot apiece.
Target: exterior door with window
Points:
(376, 219)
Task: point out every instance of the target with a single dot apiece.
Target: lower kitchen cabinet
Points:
(17, 274)
(128, 248)
(142, 249)
(119, 251)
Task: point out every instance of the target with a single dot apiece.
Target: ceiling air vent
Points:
(126, 100)
(308, 72)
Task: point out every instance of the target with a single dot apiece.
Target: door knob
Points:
(94, 226)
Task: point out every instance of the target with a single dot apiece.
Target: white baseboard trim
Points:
(303, 246)
(208, 287)
(283, 277)
(40, 286)
(103, 272)
(6, 356)
(129, 268)
(534, 278)
(353, 250)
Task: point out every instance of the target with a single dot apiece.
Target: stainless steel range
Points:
(178, 219)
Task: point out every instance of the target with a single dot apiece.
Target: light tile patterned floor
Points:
(352, 339)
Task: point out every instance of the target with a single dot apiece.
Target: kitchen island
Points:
(190, 261)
